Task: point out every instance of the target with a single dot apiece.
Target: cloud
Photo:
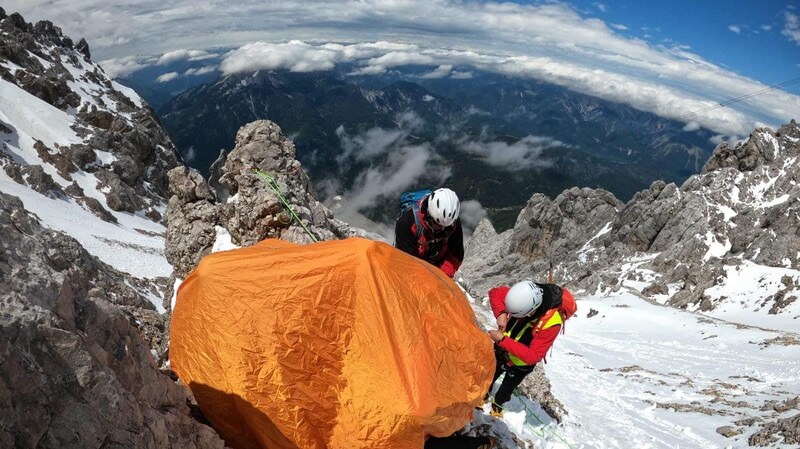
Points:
(461, 75)
(201, 70)
(791, 28)
(184, 55)
(296, 56)
(517, 38)
(731, 141)
(735, 28)
(441, 72)
(618, 26)
(472, 212)
(473, 110)
(167, 77)
(191, 155)
(766, 27)
(600, 6)
(395, 163)
(369, 144)
(402, 169)
(122, 67)
(691, 126)
(523, 154)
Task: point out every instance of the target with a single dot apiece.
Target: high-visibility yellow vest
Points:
(552, 319)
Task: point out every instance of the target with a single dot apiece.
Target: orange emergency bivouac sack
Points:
(343, 344)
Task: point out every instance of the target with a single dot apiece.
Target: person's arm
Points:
(537, 349)
(455, 251)
(404, 238)
(497, 299)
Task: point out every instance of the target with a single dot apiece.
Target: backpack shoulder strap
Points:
(551, 318)
(415, 211)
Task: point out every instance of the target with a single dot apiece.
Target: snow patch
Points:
(635, 355)
(779, 200)
(223, 242)
(744, 291)
(716, 249)
(175, 287)
(128, 92)
(105, 157)
(33, 117)
(135, 245)
(587, 247)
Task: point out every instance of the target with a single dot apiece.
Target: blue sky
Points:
(743, 36)
(668, 58)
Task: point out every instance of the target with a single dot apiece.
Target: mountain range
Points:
(495, 139)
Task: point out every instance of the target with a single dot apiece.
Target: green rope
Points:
(273, 184)
(536, 432)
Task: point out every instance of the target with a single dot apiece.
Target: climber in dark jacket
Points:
(441, 242)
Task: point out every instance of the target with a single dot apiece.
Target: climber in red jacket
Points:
(440, 241)
(525, 332)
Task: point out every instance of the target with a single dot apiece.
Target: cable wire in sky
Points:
(737, 99)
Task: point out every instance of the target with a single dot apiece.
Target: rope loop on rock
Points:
(273, 185)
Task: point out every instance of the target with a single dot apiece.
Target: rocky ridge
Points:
(118, 140)
(673, 244)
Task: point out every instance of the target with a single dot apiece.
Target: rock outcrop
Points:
(678, 243)
(75, 340)
(245, 205)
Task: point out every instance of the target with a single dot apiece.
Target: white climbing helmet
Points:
(443, 207)
(523, 299)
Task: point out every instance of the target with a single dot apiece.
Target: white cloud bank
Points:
(395, 163)
(553, 42)
(167, 77)
(184, 55)
(523, 154)
(122, 67)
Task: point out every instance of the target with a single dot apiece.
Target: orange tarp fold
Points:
(342, 344)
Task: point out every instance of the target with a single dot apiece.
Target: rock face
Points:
(79, 338)
(77, 366)
(244, 204)
(118, 139)
(680, 244)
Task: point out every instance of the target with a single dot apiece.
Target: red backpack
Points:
(568, 304)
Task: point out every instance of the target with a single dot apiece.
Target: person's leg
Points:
(514, 377)
(498, 370)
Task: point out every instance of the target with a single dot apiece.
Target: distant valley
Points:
(493, 138)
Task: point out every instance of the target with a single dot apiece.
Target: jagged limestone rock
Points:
(77, 371)
(191, 216)
(744, 206)
(249, 208)
(783, 430)
(486, 261)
